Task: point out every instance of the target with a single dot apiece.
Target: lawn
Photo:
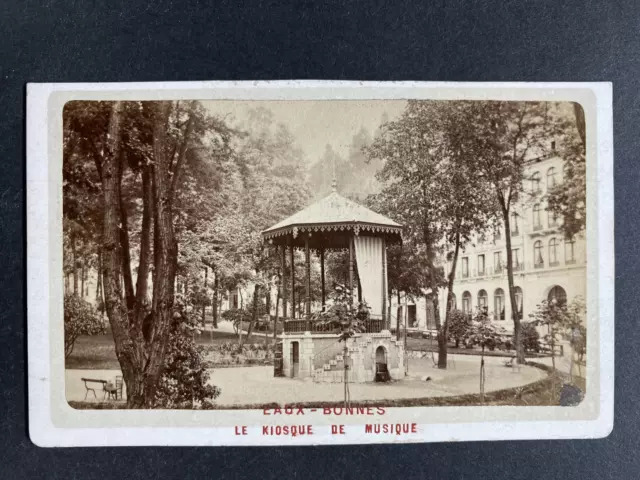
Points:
(98, 352)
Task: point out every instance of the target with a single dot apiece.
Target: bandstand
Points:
(306, 351)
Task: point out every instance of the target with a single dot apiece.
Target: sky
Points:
(317, 123)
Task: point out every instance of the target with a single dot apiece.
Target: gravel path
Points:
(250, 385)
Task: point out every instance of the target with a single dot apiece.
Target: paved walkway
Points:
(250, 385)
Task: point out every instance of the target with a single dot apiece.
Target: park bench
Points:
(113, 390)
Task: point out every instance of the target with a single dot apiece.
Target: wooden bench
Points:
(107, 387)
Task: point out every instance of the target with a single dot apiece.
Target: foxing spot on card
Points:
(286, 264)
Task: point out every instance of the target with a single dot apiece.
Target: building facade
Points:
(546, 265)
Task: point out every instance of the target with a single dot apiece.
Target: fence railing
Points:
(374, 324)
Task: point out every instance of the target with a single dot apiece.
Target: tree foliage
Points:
(568, 198)
(343, 314)
(80, 318)
(459, 325)
(430, 186)
(185, 378)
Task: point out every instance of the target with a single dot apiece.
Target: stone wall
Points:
(321, 357)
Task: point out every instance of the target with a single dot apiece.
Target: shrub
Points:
(185, 376)
(530, 337)
(80, 318)
(459, 324)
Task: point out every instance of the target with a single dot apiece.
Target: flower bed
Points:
(230, 355)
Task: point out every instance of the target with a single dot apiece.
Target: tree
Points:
(501, 137)
(559, 318)
(568, 198)
(138, 151)
(430, 186)
(485, 334)
(80, 318)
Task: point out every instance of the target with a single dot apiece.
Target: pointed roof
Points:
(334, 213)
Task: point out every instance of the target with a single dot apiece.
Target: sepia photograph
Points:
(222, 254)
(362, 265)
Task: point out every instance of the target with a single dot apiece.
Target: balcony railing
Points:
(374, 324)
(519, 268)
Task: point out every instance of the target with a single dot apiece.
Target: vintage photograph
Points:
(324, 254)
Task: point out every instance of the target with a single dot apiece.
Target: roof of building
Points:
(334, 213)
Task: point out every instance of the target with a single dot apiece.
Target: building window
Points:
(569, 251)
(482, 300)
(515, 224)
(466, 302)
(552, 218)
(519, 297)
(498, 304)
(515, 258)
(480, 265)
(558, 295)
(453, 304)
(537, 222)
(535, 182)
(553, 252)
(497, 262)
(551, 178)
(465, 267)
(431, 318)
(538, 260)
(497, 234)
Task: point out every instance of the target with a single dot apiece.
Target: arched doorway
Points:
(519, 298)
(382, 369)
(466, 302)
(483, 300)
(498, 304)
(295, 359)
(558, 295)
(454, 304)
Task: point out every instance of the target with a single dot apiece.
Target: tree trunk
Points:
(254, 312)
(398, 318)
(99, 278)
(75, 263)
(433, 283)
(204, 303)
(82, 273)
(166, 255)
(517, 340)
(142, 282)
(275, 321)
(442, 346)
(127, 350)
(214, 301)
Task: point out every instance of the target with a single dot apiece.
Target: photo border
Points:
(53, 423)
